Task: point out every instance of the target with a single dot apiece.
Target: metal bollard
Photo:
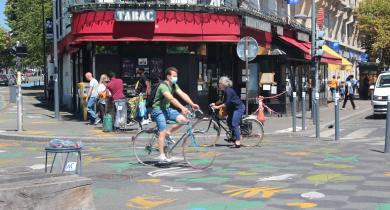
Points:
(317, 115)
(294, 114)
(336, 116)
(303, 110)
(387, 138)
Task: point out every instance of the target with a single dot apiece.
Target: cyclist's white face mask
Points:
(174, 80)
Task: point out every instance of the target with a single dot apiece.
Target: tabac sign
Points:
(135, 15)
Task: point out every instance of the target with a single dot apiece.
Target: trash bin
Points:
(12, 93)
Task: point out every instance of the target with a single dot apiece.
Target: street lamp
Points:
(315, 53)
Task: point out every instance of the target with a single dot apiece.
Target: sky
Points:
(2, 16)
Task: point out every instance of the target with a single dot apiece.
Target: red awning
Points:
(262, 37)
(172, 26)
(306, 48)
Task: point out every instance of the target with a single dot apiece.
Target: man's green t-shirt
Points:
(160, 102)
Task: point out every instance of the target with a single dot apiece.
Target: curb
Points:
(37, 138)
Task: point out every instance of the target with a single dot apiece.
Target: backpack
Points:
(153, 92)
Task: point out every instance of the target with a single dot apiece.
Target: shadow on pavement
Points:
(375, 117)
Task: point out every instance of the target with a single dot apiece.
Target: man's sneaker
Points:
(97, 121)
(163, 159)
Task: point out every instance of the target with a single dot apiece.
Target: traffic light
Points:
(319, 43)
(19, 50)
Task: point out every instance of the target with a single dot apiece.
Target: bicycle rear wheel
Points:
(252, 132)
(145, 147)
(199, 149)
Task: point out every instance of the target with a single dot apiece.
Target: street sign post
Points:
(247, 49)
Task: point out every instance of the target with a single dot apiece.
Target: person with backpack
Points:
(143, 86)
(161, 101)
(349, 92)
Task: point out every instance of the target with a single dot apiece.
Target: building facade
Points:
(199, 37)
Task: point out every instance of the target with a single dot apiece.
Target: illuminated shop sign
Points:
(135, 15)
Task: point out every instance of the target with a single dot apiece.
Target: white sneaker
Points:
(163, 159)
(144, 122)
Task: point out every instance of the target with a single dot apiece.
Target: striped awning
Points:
(345, 64)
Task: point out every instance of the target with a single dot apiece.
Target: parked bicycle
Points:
(198, 146)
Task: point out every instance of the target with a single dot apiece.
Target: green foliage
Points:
(374, 25)
(25, 20)
(6, 60)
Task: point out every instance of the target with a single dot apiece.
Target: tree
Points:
(25, 20)
(374, 25)
(6, 60)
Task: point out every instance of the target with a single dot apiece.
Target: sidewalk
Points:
(39, 123)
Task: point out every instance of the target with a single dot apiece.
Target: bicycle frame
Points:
(188, 132)
(219, 122)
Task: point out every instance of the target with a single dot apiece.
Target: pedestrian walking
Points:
(91, 96)
(50, 89)
(333, 86)
(103, 93)
(349, 92)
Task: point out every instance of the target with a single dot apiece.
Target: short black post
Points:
(387, 138)
(294, 112)
(303, 110)
(336, 116)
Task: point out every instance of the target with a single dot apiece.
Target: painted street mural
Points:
(284, 173)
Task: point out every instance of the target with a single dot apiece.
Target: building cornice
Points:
(164, 6)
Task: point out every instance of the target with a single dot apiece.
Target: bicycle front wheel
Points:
(252, 132)
(199, 149)
(145, 147)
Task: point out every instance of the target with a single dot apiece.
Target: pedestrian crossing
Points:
(349, 134)
(359, 133)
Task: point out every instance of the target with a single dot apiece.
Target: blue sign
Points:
(364, 57)
(292, 1)
(334, 46)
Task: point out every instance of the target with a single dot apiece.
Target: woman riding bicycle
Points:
(235, 109)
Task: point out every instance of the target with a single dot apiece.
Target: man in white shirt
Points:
(91, 96)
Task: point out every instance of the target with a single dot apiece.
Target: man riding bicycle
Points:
(162, 111)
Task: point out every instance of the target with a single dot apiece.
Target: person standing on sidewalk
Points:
(349, 92)
(115, 86)
(143, 87)
(91, 96)
(103, 94)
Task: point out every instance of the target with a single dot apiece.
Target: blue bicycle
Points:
(198, 146)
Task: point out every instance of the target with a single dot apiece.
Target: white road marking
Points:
(172, 172)
(38, 166)
(277, 178)
(360, 133)
(312, 195)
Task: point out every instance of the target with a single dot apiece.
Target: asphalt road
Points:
(286, 172)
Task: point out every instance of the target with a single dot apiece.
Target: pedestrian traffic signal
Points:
(319, 42)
